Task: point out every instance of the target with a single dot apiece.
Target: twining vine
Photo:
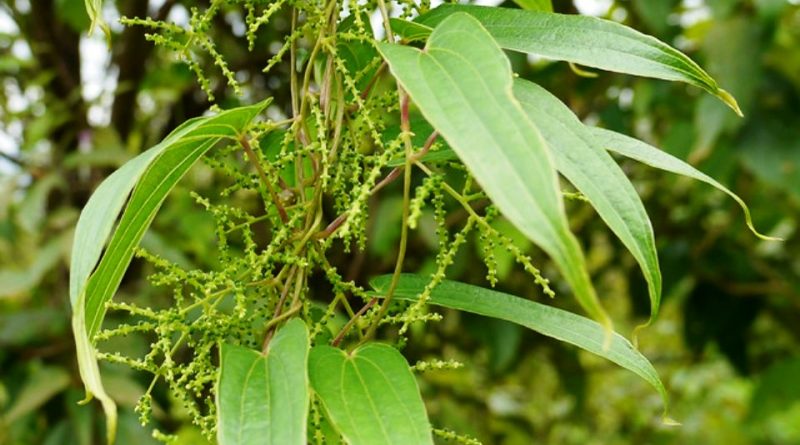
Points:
(348, 132)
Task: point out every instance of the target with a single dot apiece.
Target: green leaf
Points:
(462, 85)
(654, 14)
(535, 5)
(588, 41)
(23, 326)
(729, 47)
(652, 156)
(546, 320)
(370, 395)
(263, 399)
(73, 13)
(595, 174)
(410, 31)
(32, 211)
(153, 174)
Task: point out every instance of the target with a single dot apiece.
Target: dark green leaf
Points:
(17, 281)
(776, 390)
(43, 384)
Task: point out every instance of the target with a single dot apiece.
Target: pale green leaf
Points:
(94, 9)
(594, 173)
(263, 399)
(546, 320)
(153, 174)
(370, 395)
(652, 156)
(588, 41)
(462, 84)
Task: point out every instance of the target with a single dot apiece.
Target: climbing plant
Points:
(276, 344)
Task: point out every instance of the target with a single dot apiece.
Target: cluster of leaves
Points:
(334, 146)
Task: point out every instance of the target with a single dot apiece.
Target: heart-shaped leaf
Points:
(263, 399)
(370, 395)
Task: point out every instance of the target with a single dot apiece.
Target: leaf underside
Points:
(462, 85)
(556, 323)
(588, 41)
(588, 166)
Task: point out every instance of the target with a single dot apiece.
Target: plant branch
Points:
(405, 128)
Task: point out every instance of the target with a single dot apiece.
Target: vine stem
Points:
(352, 321)
(279, 307)
(293, 68)
(405, 128)
(257, 163)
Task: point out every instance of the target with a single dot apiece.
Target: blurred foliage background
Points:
(727, 342)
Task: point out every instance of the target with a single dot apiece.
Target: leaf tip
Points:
(637, 330)
(766, 237)
(86, 399)
(582, 72)
(669, 421)
(760, 235)
(748, 218)
(730, 101)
